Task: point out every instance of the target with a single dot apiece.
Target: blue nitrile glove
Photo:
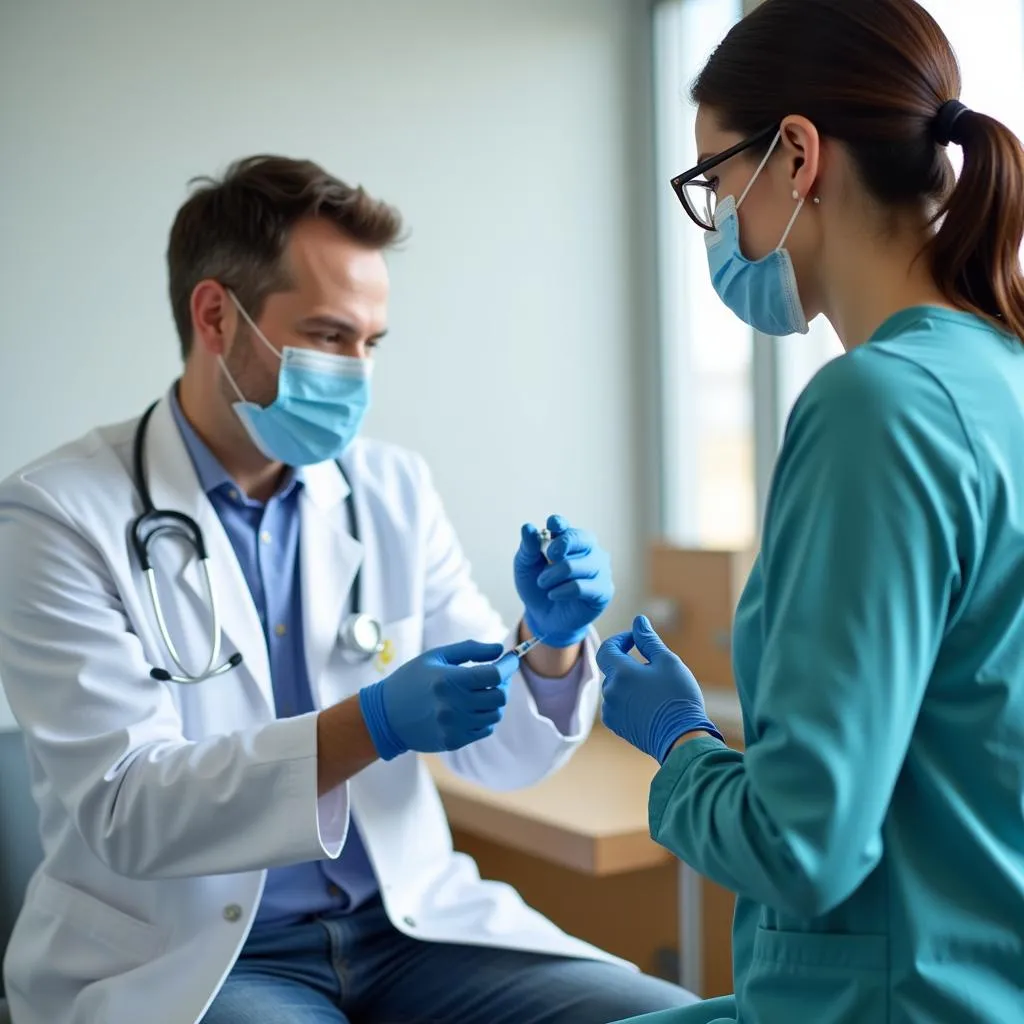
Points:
(650, 705)
(435, 703)
(564, 597)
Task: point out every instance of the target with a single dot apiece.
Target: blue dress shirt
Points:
(265, 538)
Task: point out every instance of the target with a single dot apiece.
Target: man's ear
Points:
(214, 318)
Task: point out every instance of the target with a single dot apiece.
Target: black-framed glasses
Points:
(698, 196)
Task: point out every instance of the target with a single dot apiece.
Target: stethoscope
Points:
(362, 636)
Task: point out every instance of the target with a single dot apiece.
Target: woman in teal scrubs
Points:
(873, 830)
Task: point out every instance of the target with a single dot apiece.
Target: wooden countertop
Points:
(591, 816)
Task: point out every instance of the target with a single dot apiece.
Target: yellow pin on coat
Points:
(385, 657)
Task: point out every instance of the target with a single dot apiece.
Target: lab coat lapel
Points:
(174, 485)
(329, 558)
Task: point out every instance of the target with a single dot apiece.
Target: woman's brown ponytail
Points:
(976, 254)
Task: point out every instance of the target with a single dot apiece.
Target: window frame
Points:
(677, 473)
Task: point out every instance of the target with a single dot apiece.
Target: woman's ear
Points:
(801, 146)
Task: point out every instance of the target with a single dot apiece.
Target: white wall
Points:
(512, 135)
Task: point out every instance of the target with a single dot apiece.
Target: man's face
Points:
(337, 302)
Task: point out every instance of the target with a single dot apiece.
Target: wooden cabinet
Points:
(694, 595)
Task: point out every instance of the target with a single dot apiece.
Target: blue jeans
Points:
(359, 969)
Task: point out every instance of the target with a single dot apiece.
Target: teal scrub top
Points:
(874, 828)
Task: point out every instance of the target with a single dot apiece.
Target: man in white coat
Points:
(237, 827)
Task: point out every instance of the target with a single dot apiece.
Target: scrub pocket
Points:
(816, 977)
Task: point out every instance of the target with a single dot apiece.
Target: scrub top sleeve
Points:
(863, 561)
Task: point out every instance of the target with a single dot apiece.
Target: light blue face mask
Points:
(320, 405)
(762, 293)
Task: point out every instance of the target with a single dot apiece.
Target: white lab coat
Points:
(163, 804)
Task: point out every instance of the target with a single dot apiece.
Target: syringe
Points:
(526, 646)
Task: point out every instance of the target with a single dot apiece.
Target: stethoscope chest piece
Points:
(362, 637)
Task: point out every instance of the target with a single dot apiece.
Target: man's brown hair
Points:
(235, 229)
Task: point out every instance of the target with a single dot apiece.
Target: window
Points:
(707, 412)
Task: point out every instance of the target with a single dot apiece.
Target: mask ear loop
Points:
(259, 334)
(249, 320)
(750, 184)
(231, 380)
(760, 168)
(792, 220)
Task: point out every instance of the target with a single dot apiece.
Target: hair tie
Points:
(944, 124)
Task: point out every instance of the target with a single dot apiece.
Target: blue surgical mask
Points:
(762, 293)
(320, 405)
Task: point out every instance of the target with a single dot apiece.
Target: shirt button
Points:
(280, 629)
(265, 536)
(410, 921)
(232, 912)
(233, 494)
(333, 891)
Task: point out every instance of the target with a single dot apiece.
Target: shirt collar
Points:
(212, 475)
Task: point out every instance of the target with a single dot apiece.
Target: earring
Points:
(796, 195)
(817, 200)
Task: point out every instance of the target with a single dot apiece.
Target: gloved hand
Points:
(649, 705)
(433, 703)
(562, 598)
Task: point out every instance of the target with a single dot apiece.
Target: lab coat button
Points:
(410, 921)
(232, 912)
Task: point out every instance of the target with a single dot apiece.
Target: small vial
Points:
(545, 542)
